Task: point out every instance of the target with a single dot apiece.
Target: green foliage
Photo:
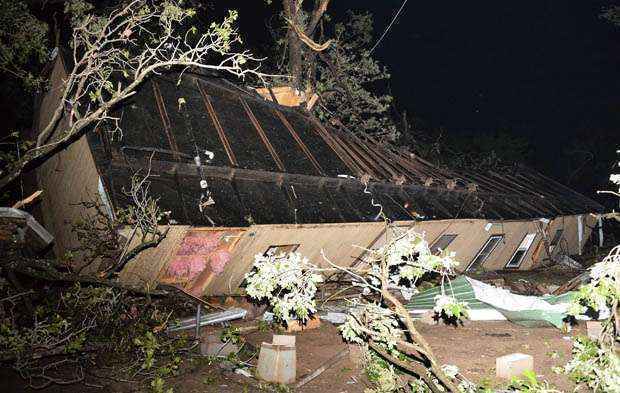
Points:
(289, 283)
(593, 365)
(381, 374)
(596, 364)
(78, 320)
(348, 91)
(23, 43)
(286, 283)
(230, 334)
(530, 384)
(612, 14)
(494, 151)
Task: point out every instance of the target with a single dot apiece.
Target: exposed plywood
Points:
(145, 269)
(201, 259)
(285, 95)
(67, 179)
(54, 94)
(343, 244)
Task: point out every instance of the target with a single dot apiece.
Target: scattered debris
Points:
(573, 284)
(335, 359)
(570, 263)
(513, 365)
(212, 345)
(594, 329)
(20, 226)
(337, 318)
(498, 334)
(296, 326)
(28, 200)
(209, 319)
(489, 303)
(244, 372)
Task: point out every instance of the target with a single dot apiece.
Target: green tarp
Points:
(487, 302)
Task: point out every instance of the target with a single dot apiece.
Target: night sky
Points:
(543, 70)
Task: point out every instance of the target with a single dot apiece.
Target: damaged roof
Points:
(274, 164)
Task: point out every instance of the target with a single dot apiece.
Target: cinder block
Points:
(513, 365)
(595, 329)
(279, 339)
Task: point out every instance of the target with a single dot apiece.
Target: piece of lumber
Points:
(572, 284)
(27, 201)
(329, 363)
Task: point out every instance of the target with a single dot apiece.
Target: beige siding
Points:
(53, 95)
(145, 269)
(343, 244)
(68, 177)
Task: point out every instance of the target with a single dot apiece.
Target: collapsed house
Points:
(242, 175)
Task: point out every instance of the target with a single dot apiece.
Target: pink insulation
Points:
(218, 260)
(187, 267)
(199, 245)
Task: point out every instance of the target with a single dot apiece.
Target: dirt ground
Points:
(472, 347)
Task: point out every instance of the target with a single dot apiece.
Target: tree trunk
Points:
(294, 44)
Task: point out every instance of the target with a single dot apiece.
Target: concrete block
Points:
(279, 339)
(277, 362)
(211, 345)
(513, 365)
(594, 329)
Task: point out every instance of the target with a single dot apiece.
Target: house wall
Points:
(54, 94)
(472, 235)
(67, 178)
(345, 244)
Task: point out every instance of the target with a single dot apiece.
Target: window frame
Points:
(520, 248)
(432, 246)
(501, 238)
(557, 239)
(293, 246)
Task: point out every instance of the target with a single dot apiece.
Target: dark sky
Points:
(536, 67)
(545, 70)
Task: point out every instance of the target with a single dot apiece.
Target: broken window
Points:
(442, 243)
(281, 250)
(556, 239)
(485, 251)
(518, 256)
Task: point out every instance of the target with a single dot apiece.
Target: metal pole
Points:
(198, 312)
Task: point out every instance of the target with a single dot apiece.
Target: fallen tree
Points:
(378, 320)
(112, 54)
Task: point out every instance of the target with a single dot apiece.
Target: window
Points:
(556, 239)
(281, 250)
(517, 257)
(442, 243)
(485, 251)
